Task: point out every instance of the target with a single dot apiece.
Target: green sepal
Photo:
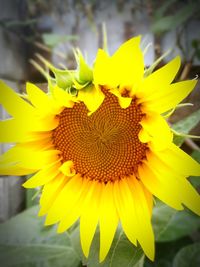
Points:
(79, 86)
(84, 73)
(72, 91)
(169, 113)
(64, 78)
(185, 135)
(45, 72)
(148, 71)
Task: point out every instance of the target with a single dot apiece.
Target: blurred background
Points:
(53, 28)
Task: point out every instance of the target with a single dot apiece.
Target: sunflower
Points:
(99, 146)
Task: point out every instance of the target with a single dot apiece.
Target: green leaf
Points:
(195, 43)
(170, 224)
(50, 255)
(122, 253)
(162, 214)
(172, 21)
(30, 197)
(162, 25)
(53, 39)
(163, 8)
(75, 240)
(18, 23)
(196, 155)
(188, 256)
(25, 241)
(165, 252)
(185, 125)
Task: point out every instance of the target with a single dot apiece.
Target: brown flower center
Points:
(105, 145)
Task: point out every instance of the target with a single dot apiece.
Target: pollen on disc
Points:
(105, 145)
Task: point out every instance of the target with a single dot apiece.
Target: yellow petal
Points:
(103, 73)
(188, 196)
(20, 157)
(125, 68)
(14, 104)
(145, 231)
(73, 212)
(38, 136)
(90, 216)
(12, 131)
(66, 200)
(92, 97)
(41, 100)
(67, 168)
(179, 161)
(19, 130)
(63, 98)
(159, 79)
(191, 198)
(131, 201)
(50, 192)
(124, 102)
(168, 97)
(144, 136)
(36, 123)
(16, 170)
(44, 176)
(158, 131)
(148, 197)
(70, 218)
(128, 64)
(159, 188)
(35, 145)
(108, 220)
(126, 211)
(47, 123)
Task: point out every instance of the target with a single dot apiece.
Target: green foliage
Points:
(196, 46)
(185, 125)
(188, 256)
(24, 241)
(173, 231)
(163, 23)
(53, 39)
(165, 252)
(122, 253)
(160, 12)
(17, 23)
(168, 223)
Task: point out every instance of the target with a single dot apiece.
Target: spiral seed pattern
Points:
(105, 145)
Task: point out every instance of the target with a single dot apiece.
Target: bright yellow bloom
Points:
(102, 152)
